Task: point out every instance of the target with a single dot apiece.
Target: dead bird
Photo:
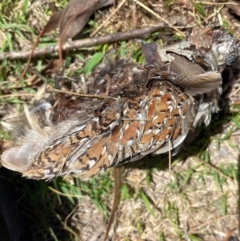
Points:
(177, 89)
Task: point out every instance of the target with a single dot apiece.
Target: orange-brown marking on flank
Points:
(94, 152)
(103, 160)
(42, 163)
(163, 102)
(185, 96)
(87, 131)
(178, 99)
(146, 139)
(170, 123)
(129, 133)
(109, 115)
(55, 155)
(184, 109)
(148, 125)
(154, 92)
(162, 135)
(175, 112)
(161, 117)
(58, 154)
(131, 113)
(115, 134)
(36, 174)
(151, 109)
(176, 133)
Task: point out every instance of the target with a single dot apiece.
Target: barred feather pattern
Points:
(152, 114)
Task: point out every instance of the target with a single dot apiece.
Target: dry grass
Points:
(194, 199)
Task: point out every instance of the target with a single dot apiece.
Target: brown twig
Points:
(159, 17)
(202, 225)
(108, 18)
(17, 95)
(117, 196)
(31, 54)
(89, 42)
(49, 89)
(229, 234)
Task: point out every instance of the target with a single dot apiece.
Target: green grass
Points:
(48, 206)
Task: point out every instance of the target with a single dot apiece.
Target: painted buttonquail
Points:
(176, 89)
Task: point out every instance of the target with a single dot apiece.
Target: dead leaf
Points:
(150, 53)
(235, 8)
(70, 21)
(53, 22)
(75, 17)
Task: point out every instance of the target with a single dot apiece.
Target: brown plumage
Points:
(151, 113)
